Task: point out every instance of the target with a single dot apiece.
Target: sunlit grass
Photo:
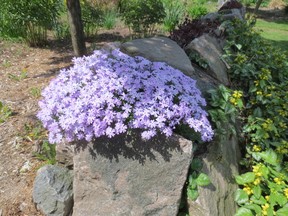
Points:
(276, 32)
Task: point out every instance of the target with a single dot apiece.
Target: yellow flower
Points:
(259, 93)
(286, 192)
(237, 94)
(256, 168)
(267, 197)
(278, 181)
(256, 148)
(248, 190)
(257, 181)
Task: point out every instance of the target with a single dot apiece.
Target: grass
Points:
(276, 32)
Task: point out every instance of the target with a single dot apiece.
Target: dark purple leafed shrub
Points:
(191, 29)
(106, 94)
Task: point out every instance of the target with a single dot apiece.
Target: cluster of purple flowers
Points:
(107, 93)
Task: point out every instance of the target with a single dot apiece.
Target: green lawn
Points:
(276, 32)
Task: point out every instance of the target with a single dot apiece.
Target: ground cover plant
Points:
(260, 71)
(99, 97)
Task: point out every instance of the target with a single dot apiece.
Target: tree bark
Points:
(76, 27)
(257, 6)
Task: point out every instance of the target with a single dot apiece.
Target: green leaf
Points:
(243, 212)
(282, 212)
(260, 201)
(257, 112)
(241, 197)
(265, 171)
(277, 198)
(245, 178)
(257, 191)
(196, 164)
(239, 46)
(255, 208)
(269, 156)
(192, 183)
(192, 194)
(203, 180)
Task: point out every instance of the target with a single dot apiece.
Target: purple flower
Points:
(107, 93)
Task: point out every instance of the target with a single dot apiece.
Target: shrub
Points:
(28, 19)
(106, 94)
(141, 16)
(191, 29)
(91, 17)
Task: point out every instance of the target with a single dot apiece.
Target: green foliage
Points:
(197, 9)
(226, 106)
(195, 179)
(5, 112)
(141, 16)
(61, 30)
(29, 20)
(47, 153)
(109, 19)
(196, 57)
(91, 17)
(19, 77)
(174, 11)
(34, 132)
(261, 71)
(35, 92)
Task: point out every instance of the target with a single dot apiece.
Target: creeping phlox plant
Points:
(108, 93)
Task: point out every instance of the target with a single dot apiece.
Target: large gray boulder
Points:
(160, 49)
(124, 176)
(211, 52)
(220, 164)
(53, 190)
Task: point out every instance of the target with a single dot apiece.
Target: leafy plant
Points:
(261, 71)
(35, 92)
(195, 179)
(20, 77)
(196, 11)
(191, 29)
(174, 11)
(61, 30)
(47, 153)
(130, 92)
(91, 17)
(226, 105)
(141, 16)
(109, 19)
(195, 57)
(5, 112)
(28, 19)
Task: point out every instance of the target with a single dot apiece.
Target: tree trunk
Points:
(257, 6)
(76, 27)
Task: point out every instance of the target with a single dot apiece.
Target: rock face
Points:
(53, 192)
(220, 164)
(211, 52)
(121, 177)
(64, 154)
(160, 49)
